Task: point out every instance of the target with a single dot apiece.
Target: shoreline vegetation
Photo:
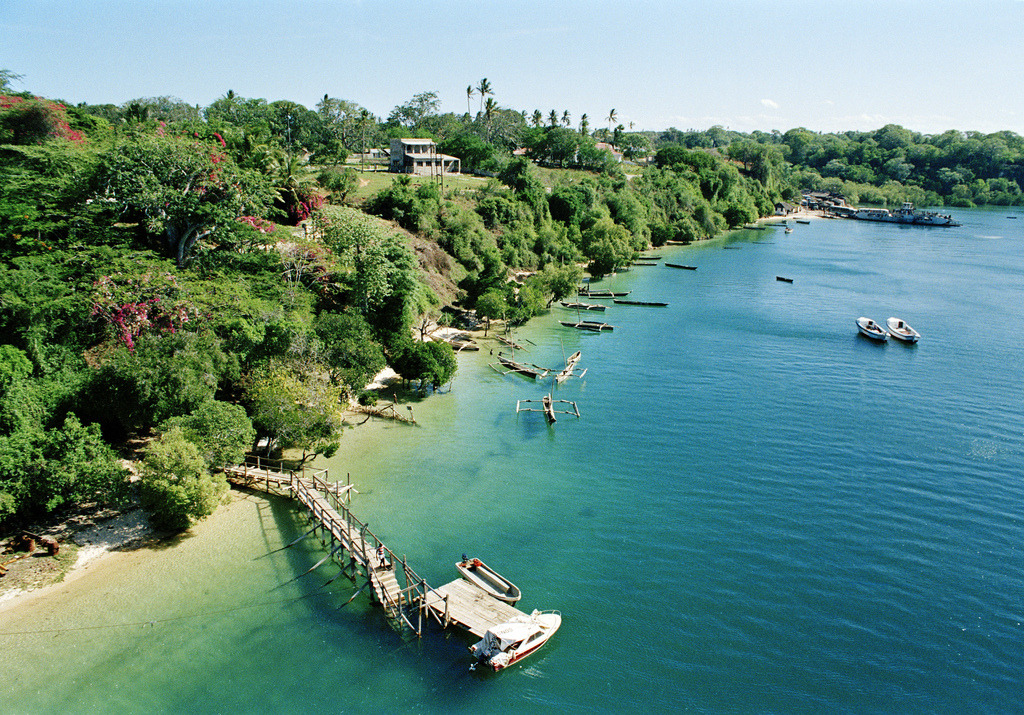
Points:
(181, 286)
(95, 535)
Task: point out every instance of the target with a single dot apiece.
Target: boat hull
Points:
(583, 306)
(488, 580)
(899, 330)
(587, 325)
(906, 214)
(870, 329)
(547, 623)
(519, 368)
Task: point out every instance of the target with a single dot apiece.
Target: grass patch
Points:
(371, 182)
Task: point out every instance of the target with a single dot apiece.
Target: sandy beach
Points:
(96, 542)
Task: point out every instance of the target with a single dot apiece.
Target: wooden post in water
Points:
(419, 622)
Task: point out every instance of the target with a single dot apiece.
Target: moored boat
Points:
(592, 325)
(570, 365)
(680, 265)
(871, 329)
(783, 279)
(622, 301)
(515, 639)
(900, 330)
(528, 370)
(488, 580)
(587, 293)
(581, 306)
(905, 214)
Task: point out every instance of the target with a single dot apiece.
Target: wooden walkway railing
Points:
(351, 544)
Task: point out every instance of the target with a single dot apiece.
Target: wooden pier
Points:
(406, 598)
(462, 604)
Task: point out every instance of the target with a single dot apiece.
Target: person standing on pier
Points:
(382, 561)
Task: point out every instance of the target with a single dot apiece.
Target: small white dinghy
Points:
(488, 580)
(899, 329)
(515, 639)
(871, 329)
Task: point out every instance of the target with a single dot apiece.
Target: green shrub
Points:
(176, 487)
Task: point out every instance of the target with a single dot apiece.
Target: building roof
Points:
(435, 155)
(608, 147)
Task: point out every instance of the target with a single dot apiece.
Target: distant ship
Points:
(905, 214)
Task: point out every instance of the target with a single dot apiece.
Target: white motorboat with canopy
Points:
(515, 639)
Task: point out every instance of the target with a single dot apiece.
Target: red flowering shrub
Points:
(131, 305)
(262, 225)
(32, 121)
(308, 202)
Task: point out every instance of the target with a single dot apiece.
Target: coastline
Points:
(122, 532)
(129, 531)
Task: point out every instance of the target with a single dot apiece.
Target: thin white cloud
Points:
(771, 104)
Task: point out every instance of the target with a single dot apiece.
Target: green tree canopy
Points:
(176, 487)
(295, 403)
(223, 433)
(181, 191)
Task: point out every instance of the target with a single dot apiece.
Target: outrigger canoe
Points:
(488, 580)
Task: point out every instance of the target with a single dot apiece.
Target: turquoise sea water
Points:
(759, 511)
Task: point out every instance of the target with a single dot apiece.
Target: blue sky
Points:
(827, 65)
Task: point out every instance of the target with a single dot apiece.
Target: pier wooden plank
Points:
(469, 607)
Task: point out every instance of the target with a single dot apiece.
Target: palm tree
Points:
(612, 117)
(469, 96)
(490, 107)
(483, 90)
(289, 176)
(553, 118)
(565, 118)
(584, 124)
(538, 118)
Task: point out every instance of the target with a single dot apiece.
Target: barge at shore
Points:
(905, 214)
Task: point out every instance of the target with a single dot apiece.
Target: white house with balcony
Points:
(420, 156)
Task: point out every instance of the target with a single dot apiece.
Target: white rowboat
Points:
(899, 329)
(488, 580)
(871, 329)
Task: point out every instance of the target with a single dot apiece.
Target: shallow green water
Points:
(758, 511)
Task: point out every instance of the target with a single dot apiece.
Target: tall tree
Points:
(553, 118)
(490, 109)
(483, 90)
(612, 118)
(584, 125)
(617, 136)
(537, 118)
(566, 120)
(364, 121)
(413, 112)
(179, 190)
